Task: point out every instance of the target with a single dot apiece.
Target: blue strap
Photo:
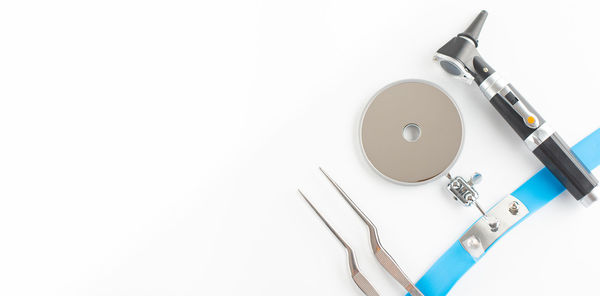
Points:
(534, 193)
(456, 261)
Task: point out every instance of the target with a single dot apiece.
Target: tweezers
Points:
(382, 256)
(360, 280)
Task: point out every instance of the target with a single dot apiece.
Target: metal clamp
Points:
(465, 193)
(480, 236)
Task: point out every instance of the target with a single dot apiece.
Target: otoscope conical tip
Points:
(474, 29)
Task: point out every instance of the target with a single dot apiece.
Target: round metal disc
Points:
(411, 103)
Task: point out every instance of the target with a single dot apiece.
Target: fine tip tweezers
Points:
(384, 258)
(358, 278)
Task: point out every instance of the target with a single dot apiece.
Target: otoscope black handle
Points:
(558, 158)
(539, 137)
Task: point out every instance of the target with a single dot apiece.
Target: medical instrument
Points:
(460, 58)
(384, 258)
(411, 132)
(511, 210)
(360, 280)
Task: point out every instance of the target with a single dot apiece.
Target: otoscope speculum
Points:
(457, 55)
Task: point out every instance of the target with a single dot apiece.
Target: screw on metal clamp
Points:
(465, 193)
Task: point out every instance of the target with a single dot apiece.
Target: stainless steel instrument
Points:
(384, 258)
(358, 278)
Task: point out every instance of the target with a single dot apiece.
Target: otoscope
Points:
(460, 57)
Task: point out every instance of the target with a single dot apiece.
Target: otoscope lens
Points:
(450, 68)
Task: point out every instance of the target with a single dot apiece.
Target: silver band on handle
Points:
(539, 136)
(493, 85)
(591, 197)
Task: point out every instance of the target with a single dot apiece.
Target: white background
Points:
(155, 147)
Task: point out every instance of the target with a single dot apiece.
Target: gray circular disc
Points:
(409, 103)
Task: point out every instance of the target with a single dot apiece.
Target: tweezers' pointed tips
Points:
(335, 184)
(301, 194)
(308, 201)
(326, 175)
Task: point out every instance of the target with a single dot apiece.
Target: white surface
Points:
(155, 147)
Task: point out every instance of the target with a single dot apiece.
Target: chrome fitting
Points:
(591, 197)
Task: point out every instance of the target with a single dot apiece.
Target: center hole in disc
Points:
(411, 132)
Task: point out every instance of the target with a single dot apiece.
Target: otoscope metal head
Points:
(457, 56)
